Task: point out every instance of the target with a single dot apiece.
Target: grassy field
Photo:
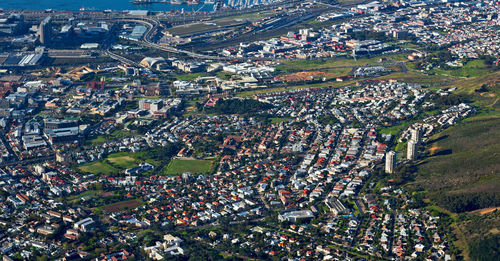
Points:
(470, 84)
(418, 78)
(472, 68)
(97, 140)
(126, 160)
(86, 194)
(189, 76)
(409, 77)
(123, 160)
(179, 166)
(486, 101)
(248, 94)
(98, 167)
(393, 130)
(298, 65)
(278, 120)
(116, 162)
(103, 138)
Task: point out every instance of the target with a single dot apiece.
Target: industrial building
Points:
(294, 216)
(335, 206)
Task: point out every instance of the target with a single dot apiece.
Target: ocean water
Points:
(118, 5)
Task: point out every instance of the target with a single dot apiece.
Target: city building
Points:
(411, 153)
(45, 30)
(12, 25)
(294, 216)
(390, 161)
(415, 135)
(335, 206)
(151, 105)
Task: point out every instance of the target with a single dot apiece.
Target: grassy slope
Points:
(472, 68)
(474, 143)
(473, 164)
(466, 158)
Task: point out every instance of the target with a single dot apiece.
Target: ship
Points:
(141, 2)
(176, 2)
(209, 2)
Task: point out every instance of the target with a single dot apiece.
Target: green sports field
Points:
(179, 166)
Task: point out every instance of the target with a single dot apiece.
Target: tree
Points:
(42, 258)
(238, 106)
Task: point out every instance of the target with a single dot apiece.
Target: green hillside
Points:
(460, 175)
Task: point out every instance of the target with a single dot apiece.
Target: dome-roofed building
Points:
(151, 62)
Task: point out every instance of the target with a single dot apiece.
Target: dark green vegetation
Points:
(238, 106)
(467, 201)
(477, 235)
(486, 249)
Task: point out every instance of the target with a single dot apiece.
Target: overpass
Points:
(152, 28)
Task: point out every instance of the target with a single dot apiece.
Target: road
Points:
(120, 58)
(29, 161)
(152, 28)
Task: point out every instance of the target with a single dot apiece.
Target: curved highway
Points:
(153, 26)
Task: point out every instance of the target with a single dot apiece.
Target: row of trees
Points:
(237, 106)
(463, 202)
(450, 99)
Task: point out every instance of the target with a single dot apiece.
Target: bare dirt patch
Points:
(434, 149)
(303, 76)
(129, 204)
(485, 210)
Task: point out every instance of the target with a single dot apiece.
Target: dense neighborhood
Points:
(119, 140)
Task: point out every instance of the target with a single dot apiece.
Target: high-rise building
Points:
(415, 135)
(390, 161)
(411, 153)
(45, 30)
